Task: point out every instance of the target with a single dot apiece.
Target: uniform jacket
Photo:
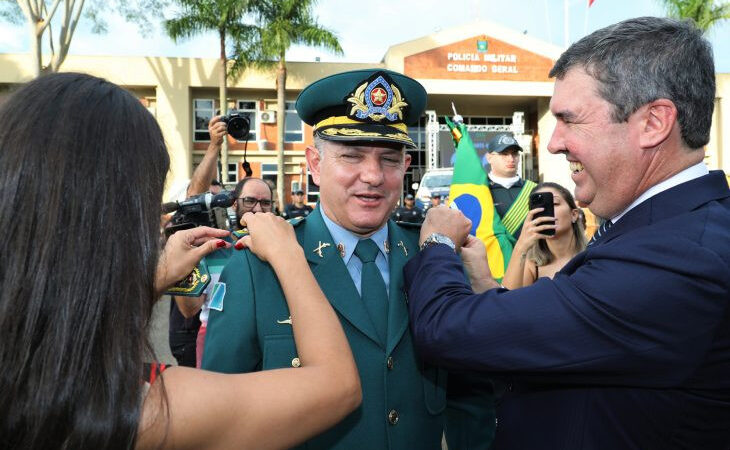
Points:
(247, 336)
(628, 347)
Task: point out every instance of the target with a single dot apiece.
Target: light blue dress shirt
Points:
(342, 236)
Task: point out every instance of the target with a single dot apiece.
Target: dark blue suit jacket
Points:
(628, 347)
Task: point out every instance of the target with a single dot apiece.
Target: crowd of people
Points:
(342, 328)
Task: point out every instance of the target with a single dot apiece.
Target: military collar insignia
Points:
(322, 245)
(403, 246)
(387, 247)
(376, 99)
(341, 249)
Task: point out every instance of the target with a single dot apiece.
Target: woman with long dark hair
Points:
(536, 255)
(82, 167)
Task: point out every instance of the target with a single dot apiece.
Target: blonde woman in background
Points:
(536, 255)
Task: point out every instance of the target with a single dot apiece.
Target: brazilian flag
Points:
(471, 195)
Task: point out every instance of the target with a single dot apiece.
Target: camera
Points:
(237, 124)
(201, 210)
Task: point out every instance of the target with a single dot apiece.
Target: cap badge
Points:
(377, 100)
(506, 140)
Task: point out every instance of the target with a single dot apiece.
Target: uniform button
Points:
(389, 362)
(295, 362)
(393, 417)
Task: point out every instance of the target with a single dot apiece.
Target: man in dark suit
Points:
(629, 345)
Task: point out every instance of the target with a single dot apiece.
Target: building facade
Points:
(495, 77)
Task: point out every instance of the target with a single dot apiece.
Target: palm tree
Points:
(227, 18)
(705, 13)
(282, 24)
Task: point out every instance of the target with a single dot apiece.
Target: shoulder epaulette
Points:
(411, 225)
(297, 220)
(238, 234)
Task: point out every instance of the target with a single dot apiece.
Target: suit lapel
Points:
(676, 200)
(401, 250)
(332, 275)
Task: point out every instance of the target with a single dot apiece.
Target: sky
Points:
(367, 29)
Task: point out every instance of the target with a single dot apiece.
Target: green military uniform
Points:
(403, 398)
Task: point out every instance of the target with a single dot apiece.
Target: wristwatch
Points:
(438, 238)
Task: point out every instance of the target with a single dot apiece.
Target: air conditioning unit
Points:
(267, 116)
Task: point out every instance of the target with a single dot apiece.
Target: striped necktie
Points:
(601, 231)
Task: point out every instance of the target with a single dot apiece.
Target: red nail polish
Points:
(220, 244)
(239, 245)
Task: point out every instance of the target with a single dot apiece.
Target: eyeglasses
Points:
(250, 202)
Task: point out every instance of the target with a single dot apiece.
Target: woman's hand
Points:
(269, 237)
(183, 251)
(532, 229)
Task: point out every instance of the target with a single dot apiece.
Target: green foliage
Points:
(228, 18)
(288, 22)
(705, 13)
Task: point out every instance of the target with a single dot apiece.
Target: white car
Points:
(434, 181)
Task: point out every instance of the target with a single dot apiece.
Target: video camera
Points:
(237, 124)
(201, 210)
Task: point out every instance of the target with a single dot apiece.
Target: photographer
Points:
(185, 319)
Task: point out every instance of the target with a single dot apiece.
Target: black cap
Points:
(502, 142)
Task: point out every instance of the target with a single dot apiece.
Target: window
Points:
(293, 127)
(247, 108)
(232, 172)
(312, 189)
(268, 172)
(202, 113)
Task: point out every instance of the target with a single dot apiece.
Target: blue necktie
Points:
(601, 231)
(372, 286)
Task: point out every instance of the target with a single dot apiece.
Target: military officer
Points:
(356, 253)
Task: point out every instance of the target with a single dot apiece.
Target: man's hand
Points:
(183, 251)
(217, 130)
(449, 222)
(474, 257)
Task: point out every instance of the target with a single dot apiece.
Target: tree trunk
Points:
(223, 99)
(280, 124)
(36, 48)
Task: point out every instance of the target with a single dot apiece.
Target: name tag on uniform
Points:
(216, 297)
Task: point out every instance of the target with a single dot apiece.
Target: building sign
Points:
(479, 58)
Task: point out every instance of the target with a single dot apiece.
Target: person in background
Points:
(536, 255)
(510, 192)
(252, 195)
(73, 339)
(298, 208)
(409, 212)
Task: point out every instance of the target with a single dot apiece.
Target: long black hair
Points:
(82, 168)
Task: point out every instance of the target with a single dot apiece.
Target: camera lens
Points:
(238, 127)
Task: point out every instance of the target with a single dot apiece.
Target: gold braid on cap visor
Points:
(343, 120)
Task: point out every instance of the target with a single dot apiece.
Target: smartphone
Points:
(543, 200)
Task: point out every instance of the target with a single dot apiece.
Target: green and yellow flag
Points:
(470, 193)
